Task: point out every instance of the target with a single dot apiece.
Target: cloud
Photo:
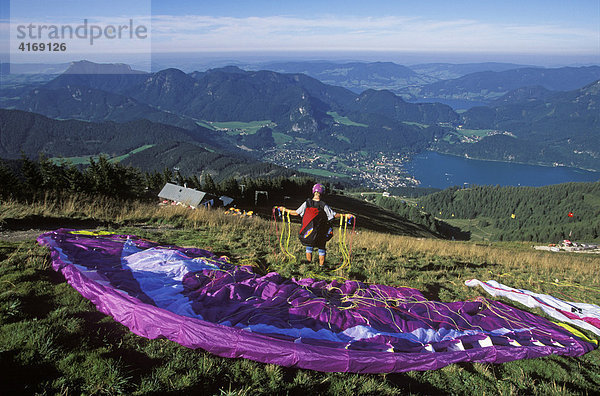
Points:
(393, 33)
(198, 33)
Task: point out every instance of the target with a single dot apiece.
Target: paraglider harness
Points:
(315, 230)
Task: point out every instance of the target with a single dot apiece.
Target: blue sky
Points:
(557, 11)
(550, 27)
(526, 26)
(523, 27)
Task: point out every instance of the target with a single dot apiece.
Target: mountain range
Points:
(487, 86)
(470, 82)
(142, 143)
(529, 117)
(537, 125)
(360, 76)
(449, 71)
(355, 76)
(32, 133)
(295, 103)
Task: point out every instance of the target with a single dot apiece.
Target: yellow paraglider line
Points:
(343, 246)
(286, 229)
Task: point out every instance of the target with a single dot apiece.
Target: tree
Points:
(31, 173)
(230, 187)
(9, 184)
(208, 184)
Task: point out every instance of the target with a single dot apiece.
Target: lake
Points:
(441, 171)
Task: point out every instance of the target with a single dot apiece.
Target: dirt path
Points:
(21, 235)
(29, 228)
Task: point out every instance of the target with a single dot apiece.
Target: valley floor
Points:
(379, 170)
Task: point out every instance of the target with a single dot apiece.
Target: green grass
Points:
(321, 172)
(86, 159)
(205, 124)
(282, 138)
(137, 150)
(473, 132)
(447, 137)
(466, 133)
(53, 341)
(238, 127)
(420, 125)
(342, 138)
(345, 120)
(347, 168)
(481, 228)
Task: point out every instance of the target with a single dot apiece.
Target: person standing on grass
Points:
(315, 230)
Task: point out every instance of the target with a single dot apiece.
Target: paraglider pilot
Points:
(315, 230)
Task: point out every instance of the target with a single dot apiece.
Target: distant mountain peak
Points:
(170, 72)
(87, 67)
(592, 89)
(379, 93)
(524, 94)
(229, 69)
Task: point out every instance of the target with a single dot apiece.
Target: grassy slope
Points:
(237, 127)
(321, 172)
(54, 341)
(85, 160)
(474, 226)
(345, 120)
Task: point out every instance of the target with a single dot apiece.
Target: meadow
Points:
(86, 159)
(345, 120)
(53, 341)
(237, 127)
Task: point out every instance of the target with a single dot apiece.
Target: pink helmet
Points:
(318, 188)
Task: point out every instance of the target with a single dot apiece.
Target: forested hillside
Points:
(26, 181)
(194, 160)
(149, 146)
(545, 214)
(489, 85)
(537, 127)
(416, 215)
(299, 122)
(293, 104)
(33, 134)
(355, 76)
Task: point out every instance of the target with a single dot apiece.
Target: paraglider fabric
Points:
(198, 300)
(586, 316)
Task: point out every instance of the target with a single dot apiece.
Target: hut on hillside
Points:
(192, 197)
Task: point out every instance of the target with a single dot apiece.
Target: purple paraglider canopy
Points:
(198, 300)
